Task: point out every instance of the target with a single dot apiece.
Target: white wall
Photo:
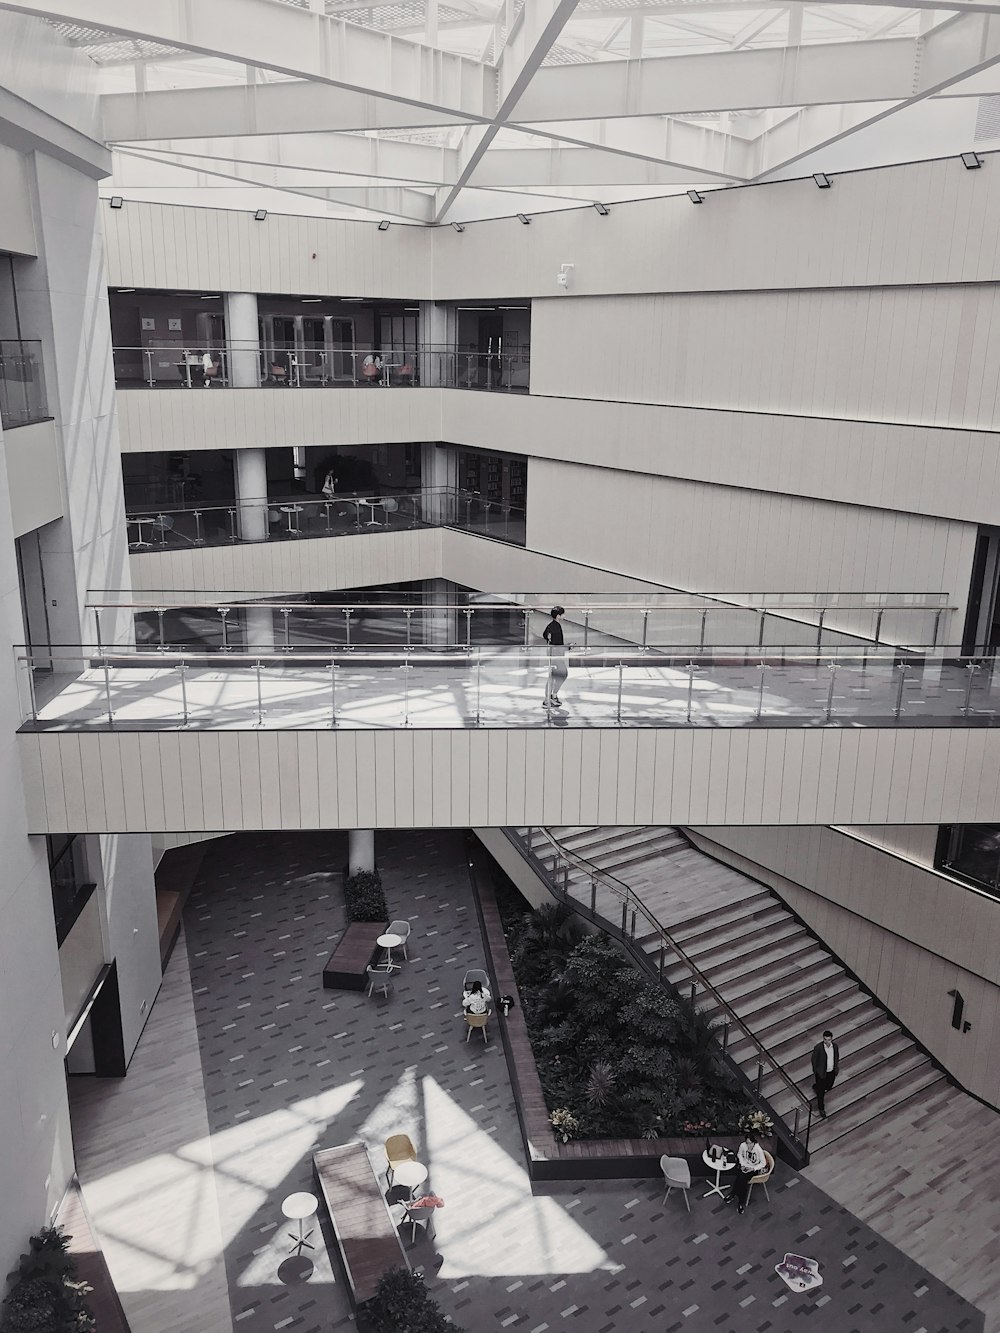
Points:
(310, 564)
(81, 957)
(129, 903)
(933, 222)
(703, 537)
(34, 475)
(911, 354)
(17, 227)
(909, 933)
(155, 782)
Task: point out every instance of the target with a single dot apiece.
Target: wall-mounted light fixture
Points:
(822, 180)
(523, 217)
(260, 215)
(384, 225)
(116, 201)
(971, 161)
(457, 226)
(602, 209)
(695, 197)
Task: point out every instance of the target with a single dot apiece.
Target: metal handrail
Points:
(631, 902)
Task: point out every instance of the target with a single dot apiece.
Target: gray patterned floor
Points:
(288, 1067)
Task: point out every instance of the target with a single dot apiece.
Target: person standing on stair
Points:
(826, 1067)
(558, 671)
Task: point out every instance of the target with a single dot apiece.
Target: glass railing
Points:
(316, 366)
(22, 383)
(370, 686)
(284, 519)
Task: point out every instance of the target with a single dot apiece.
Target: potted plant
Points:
(46, 1296)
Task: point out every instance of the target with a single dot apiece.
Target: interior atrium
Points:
(500, 571)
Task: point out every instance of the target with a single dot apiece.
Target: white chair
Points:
(676, 1176)
(379, 978)
(476, 974)
(402, 929)
(763, 1177)
(417, 1217)
(478, 1021)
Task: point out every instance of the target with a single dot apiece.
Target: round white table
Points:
(718, 1165)
(372, 520)
(409, 1174)
(291, 510)
(388, 943)
(298, 1208)
(140, 524)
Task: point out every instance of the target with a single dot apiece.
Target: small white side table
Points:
(388, 943)
(409, 1174)
(299, 1208)
(718, 1165)
(293, 510)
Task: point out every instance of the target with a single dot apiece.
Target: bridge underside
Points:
(113, 781)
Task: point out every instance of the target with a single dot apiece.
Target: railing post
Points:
(199, 540)
(287, 645)
(762, 668)
(760, 632)
(795, 1123)
(832, 667)
(971, 668)
(333, 693)
(97, 625)
(479, 668)
(223, 611)
(937, 627)
(618, 710)
(467, 612)
(725, 1036)
(586, 628)
(819, 629)
(878, 624)
(593, 894)
(406, 694)
(899, 691)
(182, 668)
(161, 646)
(663, 958)
(645, 627)
(632, 931)
(690, 689)
(694, 992)
(107, 693)
(704, 617)
(527, 626)
(347, 625)
(260, 696)
(760, 1077)
(624, 917)
(233, 535)
(31, 687)
(148, 354)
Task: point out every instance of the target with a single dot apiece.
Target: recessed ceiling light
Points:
(216, 297)
(123, 291)
(353, 298)
(308, 300)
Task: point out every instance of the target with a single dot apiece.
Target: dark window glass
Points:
(69, 879)
(971, 851)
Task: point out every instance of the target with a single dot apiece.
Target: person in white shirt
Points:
(476, 999)
(207, 370)
(371, 368)
(751, 1162)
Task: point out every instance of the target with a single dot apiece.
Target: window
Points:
(69, 880)
(971, 852)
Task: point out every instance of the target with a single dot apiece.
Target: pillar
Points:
(259, 621)
(438, 478)
(243, 339)
(436, 336)
(251, 493)
(360, 850)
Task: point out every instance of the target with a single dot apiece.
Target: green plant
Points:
(402, 1304)
(601, 1083)
(46, 1296)
(756, 1122)
(564, 1123)
(364, 897)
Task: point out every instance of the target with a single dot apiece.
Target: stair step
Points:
(861, 1061)
(778, 979)
(902, 1091)
(746, 947)
(774, 956)
(774, 919)
(754, 997)
(698, 923)
(822, 1012)
(867, 1024)
(866, 1083)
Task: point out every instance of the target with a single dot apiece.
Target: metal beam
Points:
(294, 42)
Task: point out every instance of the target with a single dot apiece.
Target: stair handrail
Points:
(631, 900)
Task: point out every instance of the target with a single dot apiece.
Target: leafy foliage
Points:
(364, 897)
(402, 1304)
(617, 1054)
(46, 1297)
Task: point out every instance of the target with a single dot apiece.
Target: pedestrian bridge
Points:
(135, 740)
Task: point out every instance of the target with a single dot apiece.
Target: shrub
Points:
(46, 1296)
(402, 1304)
(364, 897)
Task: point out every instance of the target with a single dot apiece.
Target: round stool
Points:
(299, 1208)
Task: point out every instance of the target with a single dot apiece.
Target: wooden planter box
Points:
(547, 1157)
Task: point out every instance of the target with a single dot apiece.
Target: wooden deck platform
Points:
(368, 1240)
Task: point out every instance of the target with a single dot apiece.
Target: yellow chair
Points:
(398, 1148)
(763, 1178)
(478, 1021)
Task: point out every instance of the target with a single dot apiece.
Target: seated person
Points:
(750, 1161)
(476, 999)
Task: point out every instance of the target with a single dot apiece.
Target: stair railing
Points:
(561, 859)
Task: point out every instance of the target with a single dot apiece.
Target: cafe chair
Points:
(478, 1021)
(417, 1217)
(475, 974)
(400, 928)
(398, 1148)
(676, 1176)
(379, 978)
(763, 1178)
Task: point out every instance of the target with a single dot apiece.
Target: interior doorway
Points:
(981, 636)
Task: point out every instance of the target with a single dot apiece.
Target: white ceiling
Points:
(432, 111)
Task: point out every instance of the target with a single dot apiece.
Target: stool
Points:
(299, 1208)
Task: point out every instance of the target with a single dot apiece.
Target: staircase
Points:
(782, 983)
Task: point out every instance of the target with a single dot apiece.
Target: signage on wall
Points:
(174, 325)
(148, 323)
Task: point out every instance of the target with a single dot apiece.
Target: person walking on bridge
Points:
(558, 670)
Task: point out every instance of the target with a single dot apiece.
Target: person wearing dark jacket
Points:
(558, 671)
(825, 1067)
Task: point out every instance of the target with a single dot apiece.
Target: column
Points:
(437, 341)
(438, 478)
(251, 493)
(360, 850)
(243, 339)
(259, 621)
(440, 626)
